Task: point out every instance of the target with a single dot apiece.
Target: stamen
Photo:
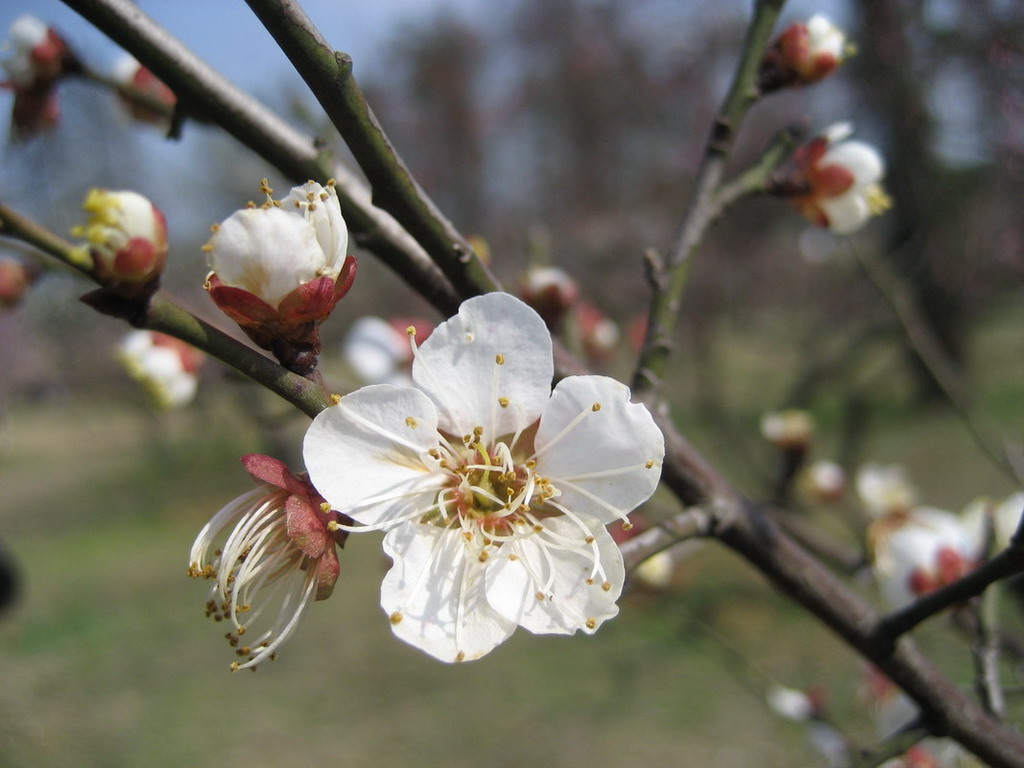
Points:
(568, 428)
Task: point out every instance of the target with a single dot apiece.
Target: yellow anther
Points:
(649, 464)
(499, 359)
(214, 227)
(207, 249)
(539, 595)
(410, 331)
(513, 558)
(531, 464)
(590, 582)
(395, 617)
(483, 557)
(503, 402)
(468, 535)
(591, 623)
(325, 507)
(478, 432)
(235, 666)
(250, 204)
(324, 197)
(606, 586)
(878, 199)
(595, 407)
(333, 526)
(627, 526)
(335, 399)
(331, 182)
(411, 422)
(589, 540)
(460, 656)
(241, 630)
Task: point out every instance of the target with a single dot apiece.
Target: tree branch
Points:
(165, 316)
(705, 205)
(205, 92)
(328, 73)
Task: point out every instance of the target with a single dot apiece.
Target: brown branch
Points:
(328, 73)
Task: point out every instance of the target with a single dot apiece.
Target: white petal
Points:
(546, 564)
(326, 219)
(457, 366)
(846, 213)
(434, 595)
(266, 251)
(605, 462)
(367, 454)
(860, 159)
(1006, 518)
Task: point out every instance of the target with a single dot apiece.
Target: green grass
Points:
(109, 661)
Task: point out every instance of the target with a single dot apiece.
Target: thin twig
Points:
(1007, 563)
(165, 316)
(705, 205)
(328, 73)
(930, 352)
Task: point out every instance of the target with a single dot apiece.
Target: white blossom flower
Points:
(280, 269)
(836, 183)
(494, 490)
(274, 249)
(919, 551)
(27, 34)
(378, 352)
(165, 366)
(885, 489)
(279, 539)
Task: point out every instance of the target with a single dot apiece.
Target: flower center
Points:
(489, 488)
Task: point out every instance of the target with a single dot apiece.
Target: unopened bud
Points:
(805, 53)
(127, 237)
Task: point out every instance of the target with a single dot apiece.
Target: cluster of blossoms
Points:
(834, 182)
(39, 58)
(914, 549)
(279, 269)
(167, 367)
(493, 489)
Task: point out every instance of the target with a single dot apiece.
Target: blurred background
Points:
(563, 132)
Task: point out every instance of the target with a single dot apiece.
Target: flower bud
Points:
(279, 270)
(167, 367)
(835, 183)
(40, 57)
(130, 73)
(823, 482)
(791, 429)
(551, 292)
(805, 53)
(598, 333)
(16, 277)
(884, 489)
